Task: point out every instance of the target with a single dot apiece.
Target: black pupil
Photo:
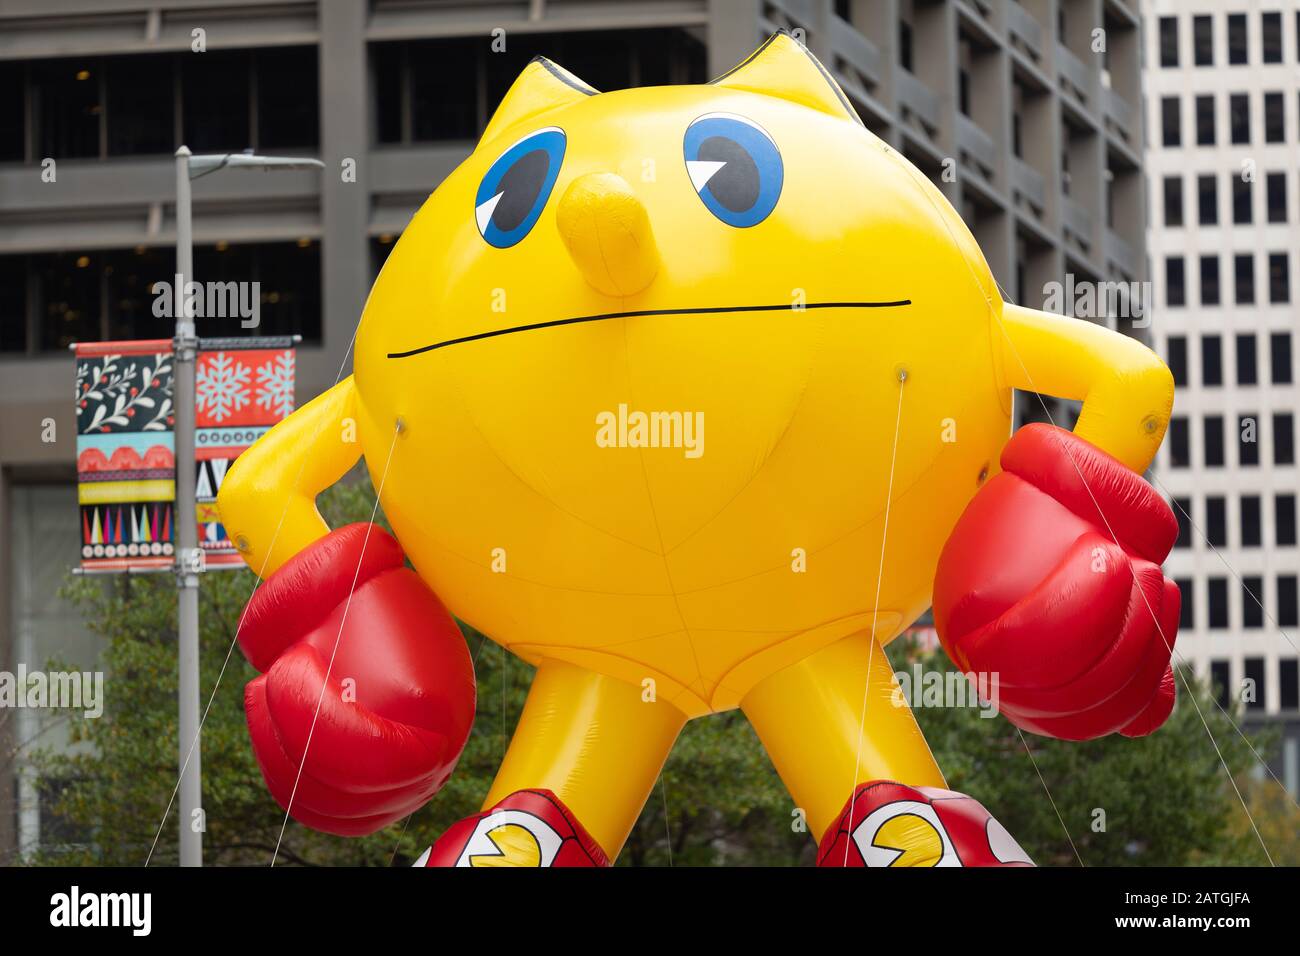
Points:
(520, 185)
(736, 184)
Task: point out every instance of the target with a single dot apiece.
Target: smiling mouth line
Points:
(897, 303)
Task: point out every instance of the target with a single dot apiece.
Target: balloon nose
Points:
(608, 234)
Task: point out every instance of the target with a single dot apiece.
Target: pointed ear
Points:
(783, 67)
(541, 86)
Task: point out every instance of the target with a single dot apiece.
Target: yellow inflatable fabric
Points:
(648, 434)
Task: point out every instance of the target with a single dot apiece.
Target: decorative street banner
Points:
(126, 466)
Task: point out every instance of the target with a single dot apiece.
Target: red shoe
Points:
(889, 824)
(527, 828)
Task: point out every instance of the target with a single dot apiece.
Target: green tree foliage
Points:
(1166, 798)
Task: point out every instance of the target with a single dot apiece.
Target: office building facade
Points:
(1223, 108)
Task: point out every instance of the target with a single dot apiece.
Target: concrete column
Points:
(730, 39)
(345, 206)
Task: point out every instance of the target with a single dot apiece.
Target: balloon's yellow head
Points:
(659, 355)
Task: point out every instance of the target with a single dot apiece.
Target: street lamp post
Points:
(189, 557)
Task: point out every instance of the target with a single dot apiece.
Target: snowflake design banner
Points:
(126, 469)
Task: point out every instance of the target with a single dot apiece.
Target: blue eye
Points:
(735, 167)
(513, 193)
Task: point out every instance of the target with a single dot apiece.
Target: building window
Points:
(69, 295)
(1246, 366)
(963, 75)
(1173, 200)
(435, 67)
(1220, 681)
(1211, 360)
(1218, 591)
(1209, 280)
(67, 119)
(13, 112)
(290, 273)
(388, 69)
(216, 101)
(1239, 118)
(1170, 121)
(1276, 193)
(1286, 601)
(905, 44)
(1182, 507)
(1252, 613)
(1207, 200)
(263, 99)
(1212, 430)
(130, 105)
(1243, 267)
(445, 89)
(1243, 200)
(1205, 121)
(100, 295)
(1216, 521)
(1251, 523)
(1254, 674)
(1284, 520)
(1203, 40)
(1279, 348)
(1177, 358)
(1175, 281)
(1237, 49)
(13, 303)
(129, 279)
(286, 119)
(1288, 685)
(1279, 278)
(41, 528)
(1283, 438)
(1272, 24)
(1247, 441)
(141, 92)
(1168, 41)
(1187, 606)
(1180, 454)
(1274, 118)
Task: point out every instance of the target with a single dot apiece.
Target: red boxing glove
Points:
(1033, 588)
(398, 702)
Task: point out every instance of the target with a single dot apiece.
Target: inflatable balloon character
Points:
(694, 397)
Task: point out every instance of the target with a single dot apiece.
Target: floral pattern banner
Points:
(126, 468)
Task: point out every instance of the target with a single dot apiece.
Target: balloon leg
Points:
(594, 743)
(825, 736)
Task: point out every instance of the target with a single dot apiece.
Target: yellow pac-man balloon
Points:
(647, 379)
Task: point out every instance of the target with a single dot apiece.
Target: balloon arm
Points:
(1126, 390)
(268, 497)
